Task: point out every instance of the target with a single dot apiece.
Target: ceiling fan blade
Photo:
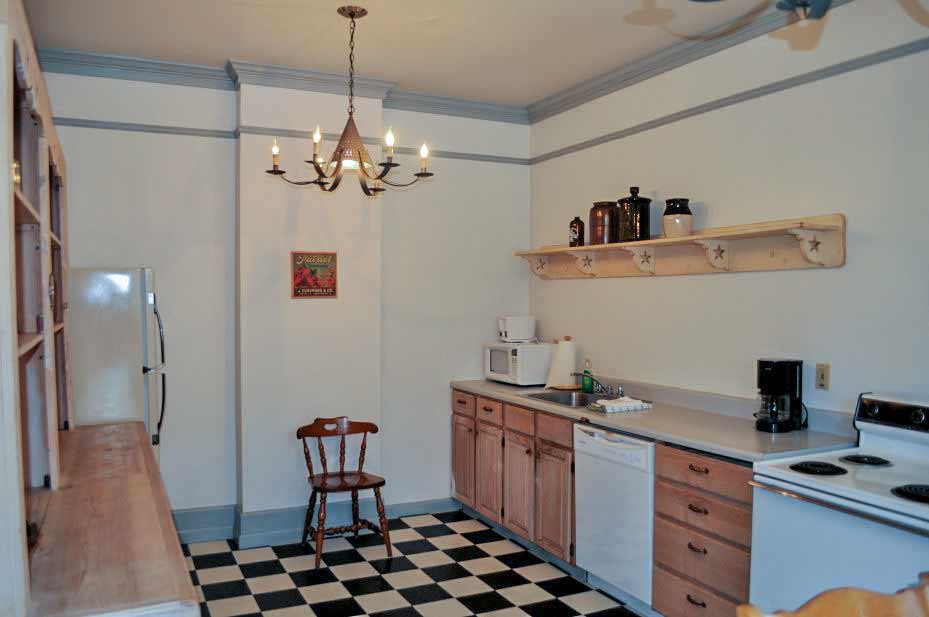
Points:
(818, 8)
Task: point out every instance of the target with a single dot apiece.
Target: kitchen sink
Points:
(567, 398)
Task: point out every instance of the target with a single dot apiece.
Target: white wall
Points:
(302, 358)
(448, 271)
(167, 202)
(857, 144)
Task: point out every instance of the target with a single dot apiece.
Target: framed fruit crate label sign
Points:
(313, 275)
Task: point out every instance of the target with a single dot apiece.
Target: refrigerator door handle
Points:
(156, 438)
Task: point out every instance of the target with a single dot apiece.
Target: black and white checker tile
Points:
(444, 565)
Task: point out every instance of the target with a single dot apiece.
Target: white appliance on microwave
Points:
(516, 328)
(521, 364)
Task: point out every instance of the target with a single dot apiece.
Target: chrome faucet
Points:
(599, 388)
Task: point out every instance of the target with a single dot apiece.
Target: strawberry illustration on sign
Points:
(313, 275)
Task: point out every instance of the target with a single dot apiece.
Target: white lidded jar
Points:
(678, 219)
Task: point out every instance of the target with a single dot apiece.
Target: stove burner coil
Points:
(865, 459)
(818, 468)
(913, 492)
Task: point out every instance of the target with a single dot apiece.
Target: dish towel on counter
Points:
(623, 404)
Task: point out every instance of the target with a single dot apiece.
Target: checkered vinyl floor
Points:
(444, 565)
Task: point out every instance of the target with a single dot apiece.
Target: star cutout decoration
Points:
(814, 245)
(586, 261)
(646, 258)
(539, 263)
(718, 252)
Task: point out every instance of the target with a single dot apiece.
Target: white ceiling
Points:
(503, 51)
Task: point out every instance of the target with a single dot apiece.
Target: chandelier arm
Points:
(364, 185)
(399, 185)
(337, 179)
(301, 182)
(320, 172)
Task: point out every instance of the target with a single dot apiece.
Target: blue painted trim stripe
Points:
(72, 62)
(741, 97)
(205, 524)
(446, 106)
(144, 128)
(285, 525)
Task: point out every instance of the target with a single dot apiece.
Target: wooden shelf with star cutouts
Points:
(792, 244)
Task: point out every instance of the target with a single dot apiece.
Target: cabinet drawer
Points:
(463, 403)
(519, 419)
(554, 429)
(716, 564)
(672, 596)
(722, 518)
(490, 411)
(726, 479)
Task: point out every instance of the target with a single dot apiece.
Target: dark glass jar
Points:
(576, 232)
(634, 217)
(604, 223)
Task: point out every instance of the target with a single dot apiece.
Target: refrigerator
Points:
(117, 348)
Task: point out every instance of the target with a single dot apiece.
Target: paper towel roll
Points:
(563, 363)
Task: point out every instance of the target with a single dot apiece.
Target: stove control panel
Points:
(894, 413)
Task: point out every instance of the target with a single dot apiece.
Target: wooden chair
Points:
(340, 482)
(849, 602)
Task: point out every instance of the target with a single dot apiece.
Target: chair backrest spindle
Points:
(334, 427)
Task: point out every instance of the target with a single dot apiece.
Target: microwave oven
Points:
(521, 364)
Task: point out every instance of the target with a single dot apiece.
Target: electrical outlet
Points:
(823, 374)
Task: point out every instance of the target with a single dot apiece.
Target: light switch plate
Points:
(823, 375)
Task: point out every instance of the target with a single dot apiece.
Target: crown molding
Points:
(447, 106)
(301, 79)
(73, 62)
(660, 62)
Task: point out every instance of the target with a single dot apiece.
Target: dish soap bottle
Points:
(587, 382)
(576, 235)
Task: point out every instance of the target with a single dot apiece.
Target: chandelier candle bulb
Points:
(424, 156)
(275, 155)
(317, 137)
(389, 141)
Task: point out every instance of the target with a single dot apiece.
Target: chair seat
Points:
(348, 481)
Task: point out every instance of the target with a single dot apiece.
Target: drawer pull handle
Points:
(470, 430)
(697, 509)
(528, 450)
(462, 402)
(696, 549)
(699, 603)
(698, 469)
(488, 409)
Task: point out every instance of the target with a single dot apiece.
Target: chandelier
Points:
(350, 155)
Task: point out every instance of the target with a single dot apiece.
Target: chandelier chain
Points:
(351, 68)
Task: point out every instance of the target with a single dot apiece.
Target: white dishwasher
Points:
(615, 501)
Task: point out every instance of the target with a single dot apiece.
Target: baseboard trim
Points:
(205, 524)
(285, 525)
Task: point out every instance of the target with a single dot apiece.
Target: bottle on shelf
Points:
(587, 382)
(576, 234)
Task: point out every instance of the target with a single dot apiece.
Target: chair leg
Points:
(308, 521)
(320, 528)
(385, 530)
(355, 511)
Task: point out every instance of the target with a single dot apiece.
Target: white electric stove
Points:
(857, 517)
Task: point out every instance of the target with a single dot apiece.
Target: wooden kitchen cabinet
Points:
(703, 516)
(463, 458)
(519, 484)
(554, 500)
(488, 476)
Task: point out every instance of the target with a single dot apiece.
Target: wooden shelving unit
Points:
(791, 244)
(35, 396)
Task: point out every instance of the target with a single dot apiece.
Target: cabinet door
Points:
(519, 484)
(489, 471)
(463, 459)
(554, 496)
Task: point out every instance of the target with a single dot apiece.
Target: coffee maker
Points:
(780, 385)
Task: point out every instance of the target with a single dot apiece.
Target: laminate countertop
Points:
(108, 545)
(724, 435)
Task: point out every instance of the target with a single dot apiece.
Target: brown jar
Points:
(604, 223)
(634, 219)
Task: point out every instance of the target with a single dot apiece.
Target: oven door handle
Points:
(839, 508)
